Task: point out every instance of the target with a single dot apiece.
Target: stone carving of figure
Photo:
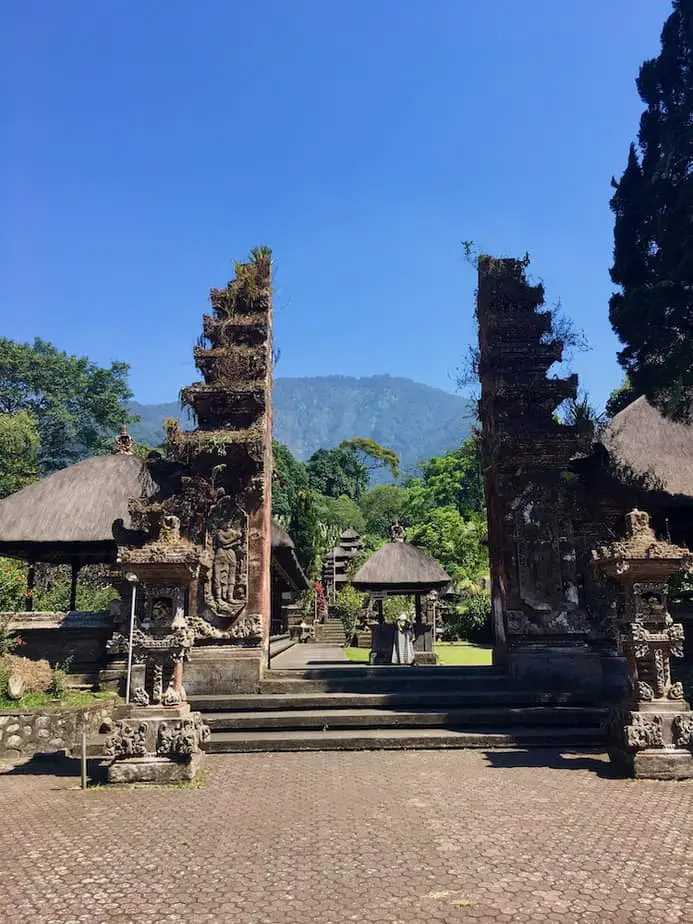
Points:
(124, 442)
(397, 533)
(225, 568)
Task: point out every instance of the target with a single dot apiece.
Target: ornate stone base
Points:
(654, 763)
(154, 770)
(654, 741)
(224, 669)
(155, 744)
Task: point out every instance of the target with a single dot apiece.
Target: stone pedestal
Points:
(653, 742)
(155, 744)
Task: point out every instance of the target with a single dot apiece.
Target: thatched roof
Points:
(75, 512)
(654, 452)
(400, 566)
(284, 559)
(81, 512)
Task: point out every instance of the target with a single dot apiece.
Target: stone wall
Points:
(79, 637)
(24, 733)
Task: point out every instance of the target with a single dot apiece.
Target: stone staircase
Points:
(359, 708)
(330, 632)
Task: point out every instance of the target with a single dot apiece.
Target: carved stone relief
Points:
(127, 740)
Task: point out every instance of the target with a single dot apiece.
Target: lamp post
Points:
(132, 580)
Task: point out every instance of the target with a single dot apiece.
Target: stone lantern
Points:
(651, 730)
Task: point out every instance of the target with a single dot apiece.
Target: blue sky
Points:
(147, 145)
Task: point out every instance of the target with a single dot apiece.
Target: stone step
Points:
(405, 681)
(429, 699)
(403, 738)
(379, 672)
(463, 719)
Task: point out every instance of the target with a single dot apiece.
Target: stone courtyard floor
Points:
(439, 836)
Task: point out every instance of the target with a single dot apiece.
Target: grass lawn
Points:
(47, 702)
(450, 653)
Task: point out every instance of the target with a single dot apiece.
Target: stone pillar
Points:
(651, 730)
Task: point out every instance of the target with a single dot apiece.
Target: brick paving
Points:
(437, 836)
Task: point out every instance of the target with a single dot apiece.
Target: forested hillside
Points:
(415, 420)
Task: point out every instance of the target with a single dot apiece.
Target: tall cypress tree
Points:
(653, 231)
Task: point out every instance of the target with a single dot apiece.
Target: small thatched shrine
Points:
(400, 569)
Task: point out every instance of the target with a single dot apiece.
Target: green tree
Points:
(382, 506)
(653, 244)
(452, 480)
(78, 406)
(373, 455)
(337, 472)
(19, 443)
(290, 477)
(341, 512)
(304, 529)
(455, 542)
(620, 398)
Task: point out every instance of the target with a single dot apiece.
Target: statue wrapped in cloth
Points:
(403, 641)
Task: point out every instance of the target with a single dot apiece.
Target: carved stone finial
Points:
(124, 442)
(397, 533)
(169, 530)
(638, 523)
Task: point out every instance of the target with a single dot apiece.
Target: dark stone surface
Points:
(544, 667)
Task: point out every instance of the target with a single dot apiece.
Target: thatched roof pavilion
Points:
(75, 514)
(655, 452)
(400, 568)
(79, 515)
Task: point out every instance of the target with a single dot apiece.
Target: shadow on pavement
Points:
(54, 765)
(554, 759)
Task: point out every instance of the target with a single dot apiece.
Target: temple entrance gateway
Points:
(214, 574)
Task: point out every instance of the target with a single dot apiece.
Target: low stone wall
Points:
(24, 733)
(77, 637)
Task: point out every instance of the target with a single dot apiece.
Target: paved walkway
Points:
(301, 657)
(328, 838)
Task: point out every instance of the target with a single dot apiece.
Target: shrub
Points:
(9, 640)
(470, 620)
(13, 590)
(59, 681)
(349, 606)
(393, 607)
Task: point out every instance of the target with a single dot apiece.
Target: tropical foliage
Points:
(76, 406)
(442, 509)
(653, 249)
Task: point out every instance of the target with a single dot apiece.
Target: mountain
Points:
(415, 420)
